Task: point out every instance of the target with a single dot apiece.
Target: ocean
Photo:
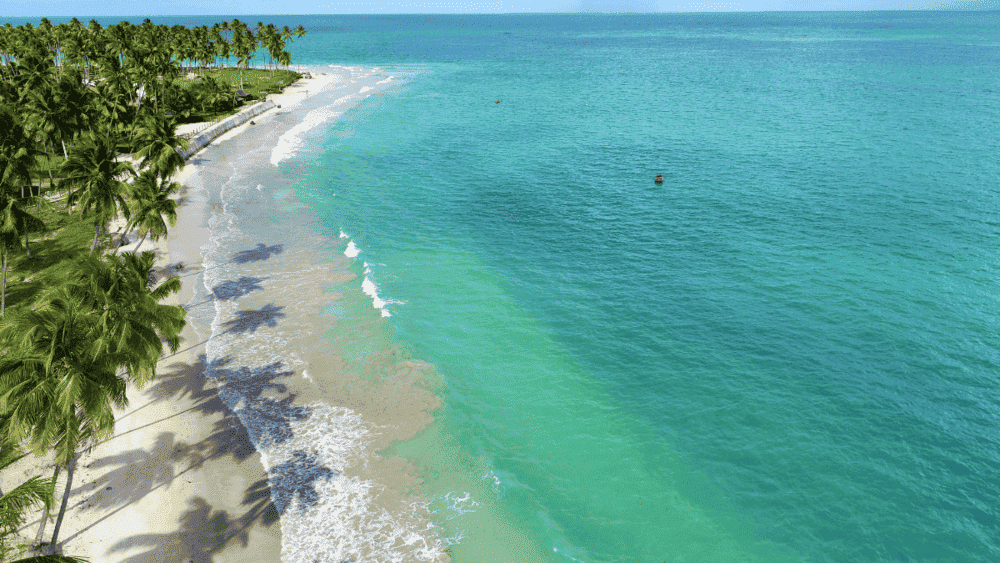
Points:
(459, 318)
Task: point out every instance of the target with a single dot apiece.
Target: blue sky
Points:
(20, 8)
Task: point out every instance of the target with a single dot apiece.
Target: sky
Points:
(82, 8)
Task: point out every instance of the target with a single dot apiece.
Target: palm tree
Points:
(114, 94)
(150, 204)
(17, 153)
(220, 43)
(70, 107)
(156, 145)
(17, 156)
(244, 46)
(119, 290)
(57, 388)
(43, 121)
(96, 180)
(68, 362)
(35, 67)
(12, 216)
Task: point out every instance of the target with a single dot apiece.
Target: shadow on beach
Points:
(251, 320)
(129, 477)
(262, 252)
(203, 531)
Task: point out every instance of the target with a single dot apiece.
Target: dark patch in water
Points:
(233, 289)
(250, 321)
(297, 477)
(262, 252)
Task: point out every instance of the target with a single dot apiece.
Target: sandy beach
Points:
(180, 481)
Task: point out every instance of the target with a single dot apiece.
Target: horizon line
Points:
(586, 12)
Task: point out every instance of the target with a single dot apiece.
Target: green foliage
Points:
(14, 504)
(151, 204)
(53, 256)
(118, 291)
(96, 180)
(156, 145)
(214, 96)
(80, 325)
(17, 153)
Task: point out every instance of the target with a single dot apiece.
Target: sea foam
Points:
(308, 451)
(292, 140)
(352, 250)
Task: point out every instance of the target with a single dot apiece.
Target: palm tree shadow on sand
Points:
(250, 321)
(203, 531)
(231, 289)
(262, 252)
(131, 476)
(267, 419)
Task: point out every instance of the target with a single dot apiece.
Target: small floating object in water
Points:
(252, 123)
(658, 179)
(498, 101)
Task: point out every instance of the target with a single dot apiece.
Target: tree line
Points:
(78, 100)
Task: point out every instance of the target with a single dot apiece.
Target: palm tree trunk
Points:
(65, 154)
(45, 516)
(65, 500)
(24, 223)
(121, 238)
(3, 292)
(97, 229)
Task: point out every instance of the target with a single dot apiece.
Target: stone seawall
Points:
(201, 140)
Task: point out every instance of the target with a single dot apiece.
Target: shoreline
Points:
(180, 479)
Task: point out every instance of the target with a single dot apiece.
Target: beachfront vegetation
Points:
(87, 135)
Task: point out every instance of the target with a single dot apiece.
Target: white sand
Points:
(180, 481)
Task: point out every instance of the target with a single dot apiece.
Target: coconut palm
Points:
(244, 46)
(119, 290)
(115, 94)
(57, 387)
(17, 156)
(42, 120)
(35, 66)
(152, 203)
(14, 220)
(68, 362)
(17, 153)
(72, 99)
(156, 145)
(96, 180)
(219, 41)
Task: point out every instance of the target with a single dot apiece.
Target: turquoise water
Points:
(785, 352)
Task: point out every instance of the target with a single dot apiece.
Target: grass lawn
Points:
(257, 83)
